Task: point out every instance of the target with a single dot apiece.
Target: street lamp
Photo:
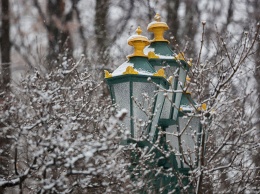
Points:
(184, 133)
(132, 86)
(161, 56)
(175, 119)
(140, 84)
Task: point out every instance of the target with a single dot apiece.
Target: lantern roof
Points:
(138, 61)
(159, 47)
(159, 51)
(135, 65)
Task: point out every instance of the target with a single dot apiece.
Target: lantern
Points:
(185, 131)
(139, 85)
(161, 56)
(134, 86)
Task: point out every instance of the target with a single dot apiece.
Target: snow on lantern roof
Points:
(148, 49)
(136, 37)
(122, 69)
(134, 68)
(150, 52)
(157, 24)
(187, 108)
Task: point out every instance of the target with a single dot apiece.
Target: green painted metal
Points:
(169, 162)
(131, 109)
(166, 181)
(161, 48)
(187, 101)
(166, 122)
(142, 64)
(169, 62)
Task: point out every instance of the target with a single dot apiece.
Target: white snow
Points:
(143, 72)
(155, 22)
(187, 108)
(121, 69)
(148, 49)
(121, 112)
(136, 36)
(165, 57)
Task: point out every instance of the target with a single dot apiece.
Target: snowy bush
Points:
(63, 135)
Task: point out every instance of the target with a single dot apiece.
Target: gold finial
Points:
(139, 30)
(130, 70)
(157, 17)
(187, 84)
(152, 55)
(160, 73)
(180, 56)
(138, 42)
(158, 28)
(203, 107)
(190, 62)
(170, 79)
(188, 78)
(107, 74)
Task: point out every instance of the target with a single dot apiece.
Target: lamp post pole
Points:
(144, 76)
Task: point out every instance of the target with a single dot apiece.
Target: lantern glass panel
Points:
(180, 86)
(167, 107)
(157, 67)
(170, 70)
(171, 137)
(182, 76)
(157, 112)
(190, 125)
(122, 99)
(143, 95)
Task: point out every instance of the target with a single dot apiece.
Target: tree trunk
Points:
(172, 20)
(5, 44)
(101, 9)
(256, 156)
(58, 32)
(5, 47)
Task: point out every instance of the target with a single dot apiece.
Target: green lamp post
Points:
(181, 126)
(133, 85)
(183, 134)
(161, 56)
(140, 84)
